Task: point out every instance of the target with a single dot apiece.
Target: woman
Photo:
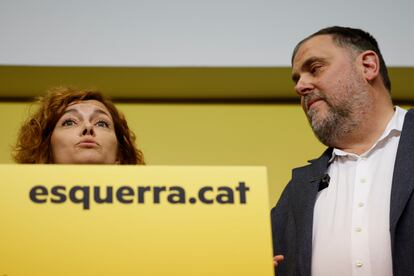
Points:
(75, 126)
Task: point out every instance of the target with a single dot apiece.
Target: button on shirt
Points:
(351, 217)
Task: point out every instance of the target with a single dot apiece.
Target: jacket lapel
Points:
(403, 176)
(306, 193)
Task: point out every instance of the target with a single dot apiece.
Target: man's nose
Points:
(303, 86)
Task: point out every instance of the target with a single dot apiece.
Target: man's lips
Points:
(311, 102)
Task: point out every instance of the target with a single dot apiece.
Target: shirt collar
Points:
(394, 125)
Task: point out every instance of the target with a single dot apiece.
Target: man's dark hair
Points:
(355, 39)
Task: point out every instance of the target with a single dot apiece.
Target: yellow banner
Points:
(134, 220)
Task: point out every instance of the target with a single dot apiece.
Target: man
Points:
(351, 211)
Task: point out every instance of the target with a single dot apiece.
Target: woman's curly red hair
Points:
(33, 143)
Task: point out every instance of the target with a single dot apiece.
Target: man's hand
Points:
(277, 259)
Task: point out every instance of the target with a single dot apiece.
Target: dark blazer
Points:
(292, 217)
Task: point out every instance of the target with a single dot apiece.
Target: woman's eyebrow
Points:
(95, 112)
(98, 111)
(72, 110)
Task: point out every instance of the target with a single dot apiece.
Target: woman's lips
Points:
(87, 144)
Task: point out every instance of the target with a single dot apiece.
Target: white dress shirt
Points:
(351, 217)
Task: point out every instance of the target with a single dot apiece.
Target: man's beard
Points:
(336, 123)
(344, 113)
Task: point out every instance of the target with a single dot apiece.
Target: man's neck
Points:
(363, 137)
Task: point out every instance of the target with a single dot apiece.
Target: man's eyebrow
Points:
(306, 65)
(311, 60)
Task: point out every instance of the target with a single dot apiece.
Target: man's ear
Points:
(370, 65)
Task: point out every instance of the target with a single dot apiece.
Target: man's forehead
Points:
(313, 46)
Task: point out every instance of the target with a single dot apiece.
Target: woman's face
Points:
(85, 134)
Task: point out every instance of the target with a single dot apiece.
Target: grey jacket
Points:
(292, 217)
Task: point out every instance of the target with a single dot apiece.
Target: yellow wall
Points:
(273, 135)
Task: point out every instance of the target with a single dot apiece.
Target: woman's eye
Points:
(68, 122)
(102, 124)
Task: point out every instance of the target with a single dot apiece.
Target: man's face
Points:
(333, 91)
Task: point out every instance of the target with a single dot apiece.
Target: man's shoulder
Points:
(409, 116)
(302, 185)
(317, 164)
(407, 134)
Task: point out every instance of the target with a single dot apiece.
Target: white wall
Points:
(189, 32)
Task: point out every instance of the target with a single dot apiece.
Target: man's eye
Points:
(102, 124)
(68, 122)
(314, 69)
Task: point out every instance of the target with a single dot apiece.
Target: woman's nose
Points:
(88, 130)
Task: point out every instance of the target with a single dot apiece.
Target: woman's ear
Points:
(370, 65)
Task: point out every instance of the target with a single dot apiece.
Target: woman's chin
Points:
(91, 159)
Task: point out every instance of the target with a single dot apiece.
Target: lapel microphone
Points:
(324, 182)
